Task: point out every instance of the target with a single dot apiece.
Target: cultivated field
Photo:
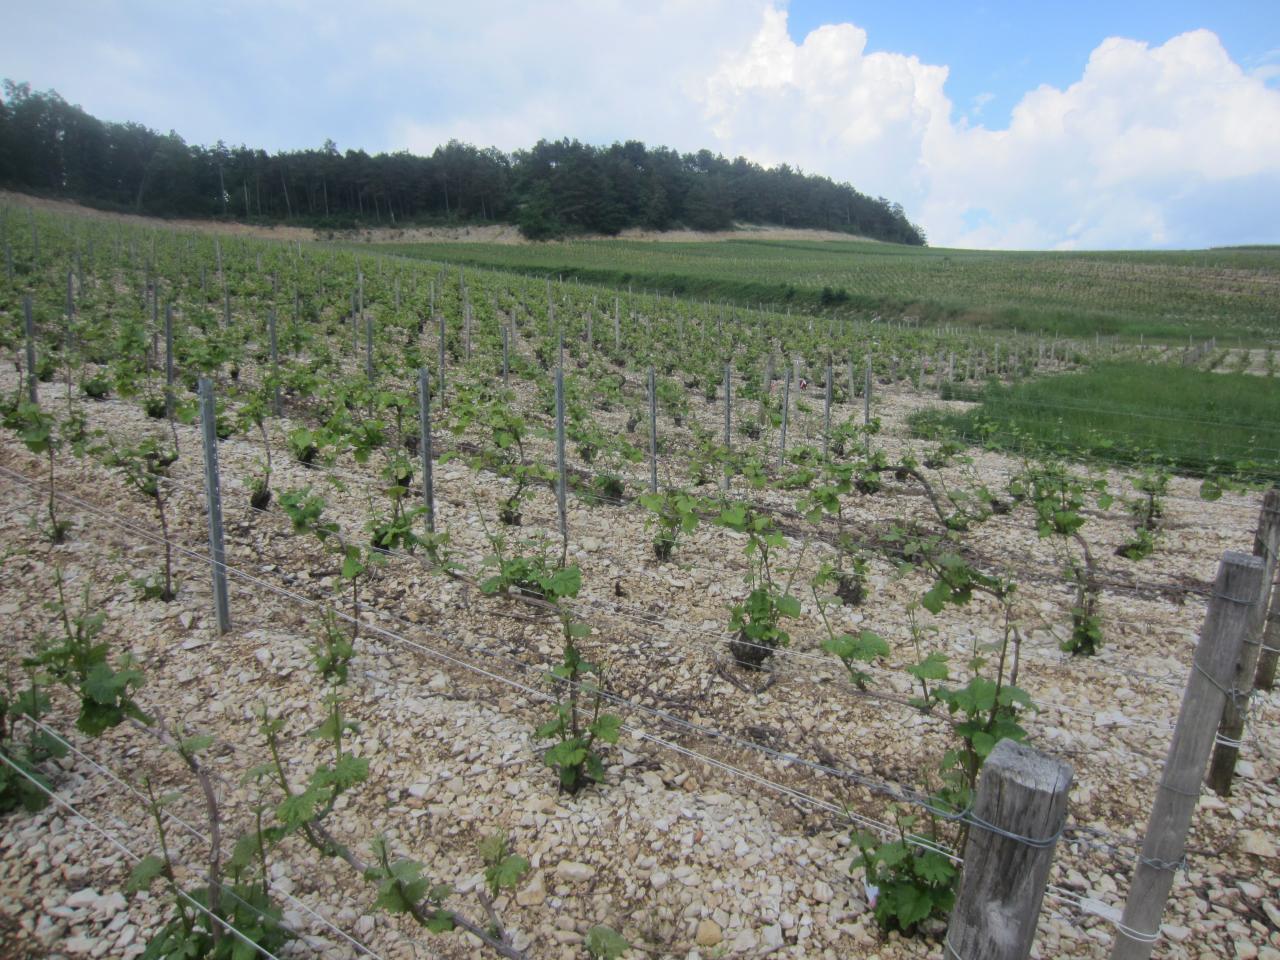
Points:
(808, 638)
(1164, 295)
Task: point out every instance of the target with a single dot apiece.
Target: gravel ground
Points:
(733, 851)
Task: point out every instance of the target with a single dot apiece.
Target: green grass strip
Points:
(1198, 423)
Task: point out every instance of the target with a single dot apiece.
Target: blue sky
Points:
(1002, 50)
(1004, 125)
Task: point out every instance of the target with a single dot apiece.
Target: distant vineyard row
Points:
(1166, 295)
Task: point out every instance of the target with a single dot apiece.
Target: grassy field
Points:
(1196, 421)
(1161, 295)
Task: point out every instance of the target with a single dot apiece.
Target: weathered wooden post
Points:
(1226, 751)
(1018, 814)
(1235, 592)
(213, 495)
(1264, 677)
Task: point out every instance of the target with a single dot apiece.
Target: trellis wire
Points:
(882, 827)
(502, 678)
(195, 832)
(714, 638)
(115, 842)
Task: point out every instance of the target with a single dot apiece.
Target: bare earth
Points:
(669, 850)
(721, 829)
(497, 233)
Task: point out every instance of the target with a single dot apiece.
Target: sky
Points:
(1044, 125)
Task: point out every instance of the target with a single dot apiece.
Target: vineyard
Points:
(1164, 295)
(365, 604)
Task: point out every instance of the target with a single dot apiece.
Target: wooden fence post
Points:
(1018, 813)
(1265, 677)
(1226, 751)
(1269, 652)
(1235, 592)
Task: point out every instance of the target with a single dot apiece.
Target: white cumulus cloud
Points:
(1166, 145)
(828, 106)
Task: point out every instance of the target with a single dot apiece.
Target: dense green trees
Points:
(552, 189)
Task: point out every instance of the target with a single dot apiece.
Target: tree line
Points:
(553, 189)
